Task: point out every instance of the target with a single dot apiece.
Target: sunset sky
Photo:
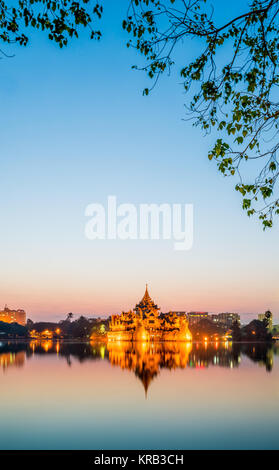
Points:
(75, 129)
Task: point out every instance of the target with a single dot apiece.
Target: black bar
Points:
(130, 458)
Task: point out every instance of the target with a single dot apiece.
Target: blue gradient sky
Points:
(75, 128)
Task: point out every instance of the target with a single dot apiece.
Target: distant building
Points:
(214, 317)
(195, 317)
(262, 316)
(13, 316)
(225, 319)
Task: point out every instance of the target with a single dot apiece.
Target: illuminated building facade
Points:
(43, 335)
(145, 323)
(226, 319)
(13, 316)
(195, 317)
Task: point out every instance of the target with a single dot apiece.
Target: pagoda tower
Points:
(147, 313)
(146, 305)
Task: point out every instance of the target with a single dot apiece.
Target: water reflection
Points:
(10, 358)
(145, 360)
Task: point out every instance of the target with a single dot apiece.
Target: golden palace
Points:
(146, 323)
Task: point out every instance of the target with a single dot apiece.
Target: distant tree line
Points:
(81, 328)
(12, 330)
(207, 328)
(86, 328)
(256, 330)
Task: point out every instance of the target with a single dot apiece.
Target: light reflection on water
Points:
(137, 395)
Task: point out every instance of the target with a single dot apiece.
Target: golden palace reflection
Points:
(144, 359)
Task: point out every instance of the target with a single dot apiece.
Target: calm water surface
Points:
(167, 396)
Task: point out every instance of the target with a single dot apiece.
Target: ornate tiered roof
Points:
(146, 304)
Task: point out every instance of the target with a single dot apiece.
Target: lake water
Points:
(136, 396)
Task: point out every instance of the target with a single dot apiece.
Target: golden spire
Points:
(146, 294)
(146, 302)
